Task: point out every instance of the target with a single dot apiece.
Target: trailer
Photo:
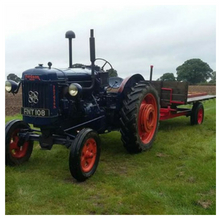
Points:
(174, 94)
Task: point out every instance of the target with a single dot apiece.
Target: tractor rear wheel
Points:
(197, 114)
(84, 154)
(17, 149)
(139, 118)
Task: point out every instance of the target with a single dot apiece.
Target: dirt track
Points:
(13, 102)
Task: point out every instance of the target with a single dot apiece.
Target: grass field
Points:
(177, 176)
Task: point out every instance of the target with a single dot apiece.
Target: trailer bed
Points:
(172, 110)
(199, 97)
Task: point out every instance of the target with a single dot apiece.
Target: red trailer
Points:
(174, 94)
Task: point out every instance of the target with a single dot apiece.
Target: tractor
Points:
(72, 106)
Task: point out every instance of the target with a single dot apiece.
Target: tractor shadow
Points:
(111, 143)
(180, 123)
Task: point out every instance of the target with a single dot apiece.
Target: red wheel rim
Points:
(200, 116)
(88, 155)
(16, 150)
(147, 118)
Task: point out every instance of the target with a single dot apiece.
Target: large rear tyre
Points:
(84, 154)
(197, 114)
(17, 149)
(139, 118)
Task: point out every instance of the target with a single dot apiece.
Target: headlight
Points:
(11, 86)
(8, 86)
(74, 89)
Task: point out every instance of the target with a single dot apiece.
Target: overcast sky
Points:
(130, 37)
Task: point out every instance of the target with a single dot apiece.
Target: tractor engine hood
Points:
(41, 73)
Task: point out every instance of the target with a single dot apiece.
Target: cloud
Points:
(131, 38)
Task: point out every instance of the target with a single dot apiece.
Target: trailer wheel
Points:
(17, 149)
(197, 114)
(84, 154)
(139, 118)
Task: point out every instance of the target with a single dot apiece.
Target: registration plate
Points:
(35, 112)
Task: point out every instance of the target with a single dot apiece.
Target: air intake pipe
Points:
(70, 35)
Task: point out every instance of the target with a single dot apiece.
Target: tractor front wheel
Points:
(139, 118)
(17, 149)
(84, 154)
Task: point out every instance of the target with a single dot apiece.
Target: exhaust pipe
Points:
(151, 72)
(92, 55)
(70, 35)
(92, 47)
(92, 59)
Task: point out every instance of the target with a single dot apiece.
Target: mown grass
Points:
(177, 176)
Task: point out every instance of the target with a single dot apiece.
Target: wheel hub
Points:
(147, 116)
(16, 149)
(200, 116)
(88, 155)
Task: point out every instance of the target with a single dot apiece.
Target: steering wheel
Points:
(105, 62)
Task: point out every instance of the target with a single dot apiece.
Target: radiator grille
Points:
(41, 91)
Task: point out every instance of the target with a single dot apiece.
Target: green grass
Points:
(177, 176)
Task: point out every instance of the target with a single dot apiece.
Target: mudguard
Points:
(129, 82)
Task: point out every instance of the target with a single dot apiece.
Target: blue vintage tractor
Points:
(72, 106)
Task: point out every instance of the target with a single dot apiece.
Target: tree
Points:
(13, 77)
(194, 71)
(167, 77)
(213, 77)
(112, 72)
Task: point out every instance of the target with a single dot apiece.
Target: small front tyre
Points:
(84, 154)
(17, 149)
